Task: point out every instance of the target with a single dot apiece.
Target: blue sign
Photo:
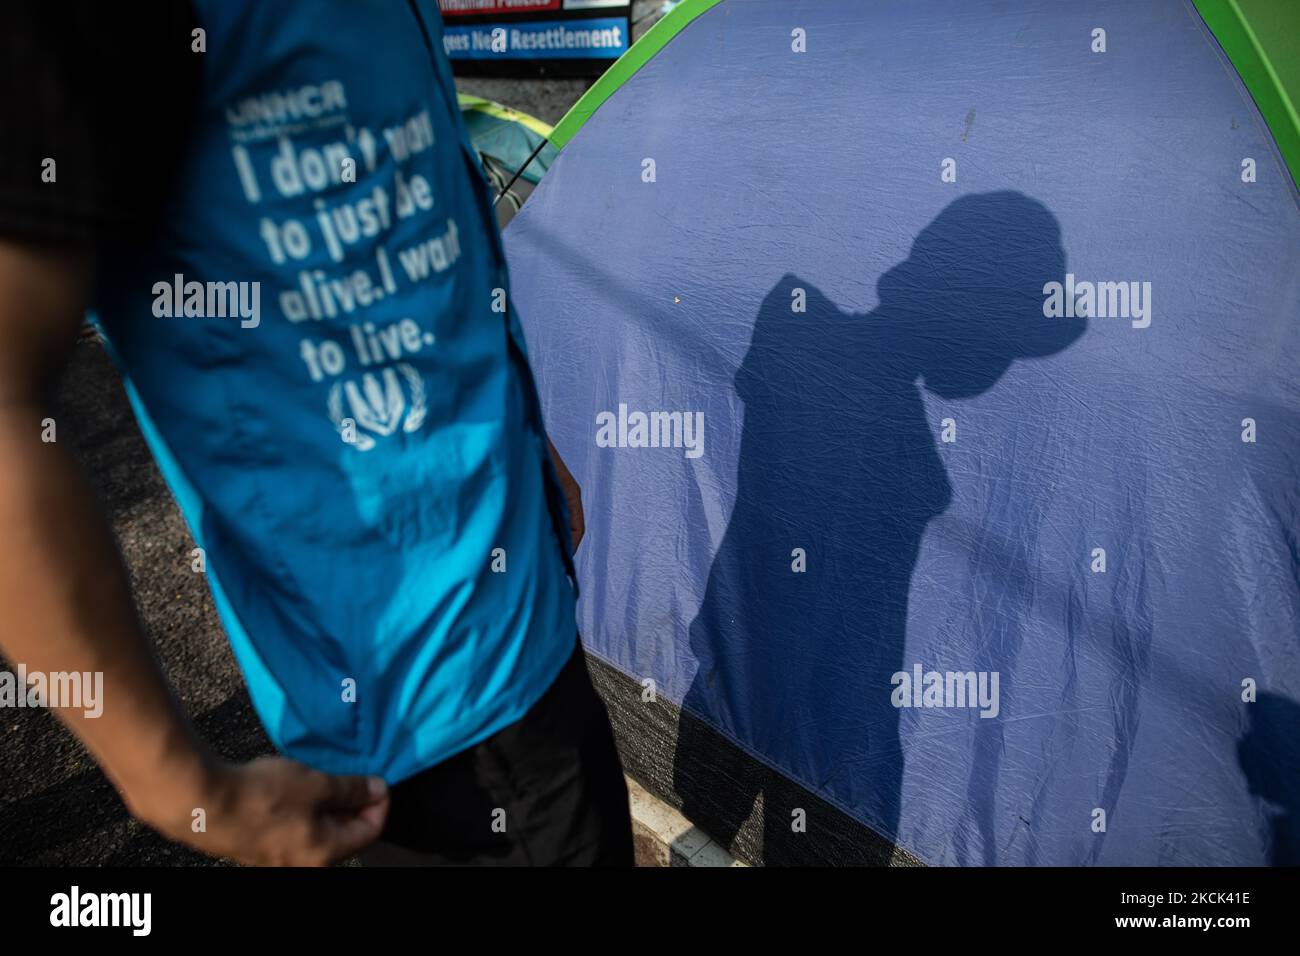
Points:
(604, 38)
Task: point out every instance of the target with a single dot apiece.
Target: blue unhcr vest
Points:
(321, 354)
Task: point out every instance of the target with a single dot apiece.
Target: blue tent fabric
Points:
(905, 465)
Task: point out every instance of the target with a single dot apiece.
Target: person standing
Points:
(277, 220)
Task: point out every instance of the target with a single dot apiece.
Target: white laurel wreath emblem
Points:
(378, 405)
(415, 417)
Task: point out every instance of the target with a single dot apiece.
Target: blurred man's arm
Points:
(94, 107)
(572, 496)
(65, 606)
(64, 603)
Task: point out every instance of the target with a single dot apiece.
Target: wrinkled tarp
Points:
(773, 172)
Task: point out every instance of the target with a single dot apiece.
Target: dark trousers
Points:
(546, 791)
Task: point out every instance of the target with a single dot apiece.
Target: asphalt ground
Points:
(56, 807)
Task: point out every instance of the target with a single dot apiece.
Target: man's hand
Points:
(572, 495)
(65, 605)
(271, 812)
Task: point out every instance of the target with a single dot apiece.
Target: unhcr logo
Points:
(381, 404)
(651, 430)
(1101, 300)
(946, 689)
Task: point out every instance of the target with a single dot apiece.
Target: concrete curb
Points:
(663, 837)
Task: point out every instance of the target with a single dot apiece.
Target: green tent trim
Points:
(625, 66)
(1262, 39)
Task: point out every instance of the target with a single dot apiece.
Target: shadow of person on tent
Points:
(838, 462)
(1269, 755)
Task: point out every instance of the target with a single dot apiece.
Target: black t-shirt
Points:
(105, 90)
